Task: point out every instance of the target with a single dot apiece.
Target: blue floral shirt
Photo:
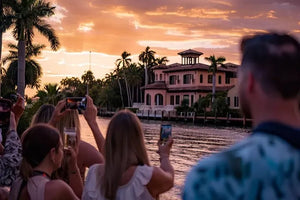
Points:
(266, 165)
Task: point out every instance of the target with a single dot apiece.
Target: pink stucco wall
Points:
(161, 76)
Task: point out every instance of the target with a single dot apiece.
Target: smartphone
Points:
(69, 137)
(5, 108)
(165, 132)
(76, 103)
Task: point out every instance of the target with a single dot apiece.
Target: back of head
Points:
(124, 147)
(274, 60)
(37, 141)
(69, 120)
(43, 115)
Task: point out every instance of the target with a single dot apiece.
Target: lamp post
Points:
(87, 84)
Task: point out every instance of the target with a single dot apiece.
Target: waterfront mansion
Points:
(188, 80)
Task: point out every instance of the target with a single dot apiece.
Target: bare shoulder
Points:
(86, 148)
(58, 189)
(88, 154)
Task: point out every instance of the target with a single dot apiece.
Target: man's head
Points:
(271, 63)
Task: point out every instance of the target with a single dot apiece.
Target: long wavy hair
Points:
(124, 147)
(43, 115)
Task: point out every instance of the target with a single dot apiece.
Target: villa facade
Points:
(188, 80)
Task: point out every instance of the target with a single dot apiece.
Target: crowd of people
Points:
(41, 165)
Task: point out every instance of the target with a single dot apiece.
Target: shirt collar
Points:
(285, 132)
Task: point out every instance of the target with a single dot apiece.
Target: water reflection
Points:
(191, 143)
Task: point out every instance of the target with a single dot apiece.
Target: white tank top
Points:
(35, 187)
(134, 189)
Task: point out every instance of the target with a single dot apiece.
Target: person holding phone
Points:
(127, 173)
(42, 155)
(11, 155)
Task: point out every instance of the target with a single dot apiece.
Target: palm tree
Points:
(124, 62)
(4, 25)
(50, 94)
(214, 64)
(33, 69)
(5, 22)
(27, 15)
(147, 57)
(134, 80)
(161, 60)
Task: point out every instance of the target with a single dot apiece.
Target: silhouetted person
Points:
(265, 165)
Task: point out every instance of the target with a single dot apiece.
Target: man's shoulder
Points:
(228, 172)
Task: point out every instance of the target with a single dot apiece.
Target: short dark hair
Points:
(274, 59)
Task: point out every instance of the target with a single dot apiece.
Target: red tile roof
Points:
(161, 85)
(156, 85)
(190, 51)
(176, 67)
(199, 88)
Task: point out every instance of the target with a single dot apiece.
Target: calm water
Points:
(191, 143)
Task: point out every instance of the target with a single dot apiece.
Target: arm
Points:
(75, 180)
(18, 108)
(12, 156)
(88, 155)
(90, 115)
(163, 177)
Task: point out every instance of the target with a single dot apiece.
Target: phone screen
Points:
(165, 132)
(76, 103)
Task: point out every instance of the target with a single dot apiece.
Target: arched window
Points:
(148, 99)
(201, 78)
(159, 99)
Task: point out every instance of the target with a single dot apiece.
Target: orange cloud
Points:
(107, 28)
(86, 27)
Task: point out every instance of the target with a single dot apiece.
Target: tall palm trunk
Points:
(21, 67)
(137, 94)
(132, 95)
(146, 75)
(214, 87)
(127, 90)
(121, 94)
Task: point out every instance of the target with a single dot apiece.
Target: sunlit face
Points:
(244, 99)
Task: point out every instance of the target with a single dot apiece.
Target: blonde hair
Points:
(124, 147)
(70, 119)
(43, 115)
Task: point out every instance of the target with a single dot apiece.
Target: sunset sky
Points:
(109, 27)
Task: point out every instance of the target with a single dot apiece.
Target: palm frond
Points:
(46, 30)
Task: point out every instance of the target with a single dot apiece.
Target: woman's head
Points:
(69, 120)
(43, 115)
(124, 147)
(39, 142)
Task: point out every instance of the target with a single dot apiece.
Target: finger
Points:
(20, 99)
(89, 100)
(170, 141)
(61, 103)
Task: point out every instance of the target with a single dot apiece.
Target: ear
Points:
(53, 155)
(251, 83)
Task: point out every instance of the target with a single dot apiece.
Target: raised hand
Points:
(58, 112)
(18, 108)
